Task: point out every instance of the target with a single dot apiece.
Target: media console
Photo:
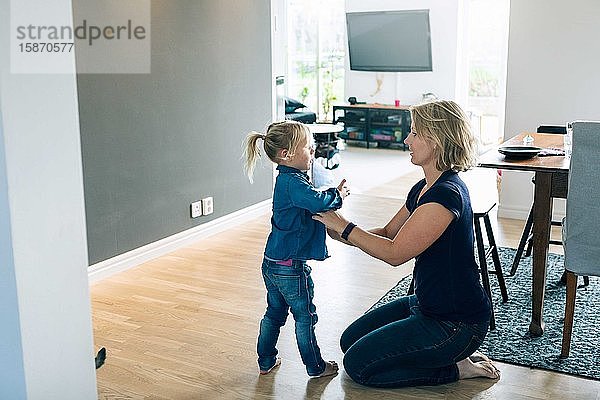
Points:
(385, 125)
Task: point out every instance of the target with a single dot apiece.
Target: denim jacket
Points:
(294, 234)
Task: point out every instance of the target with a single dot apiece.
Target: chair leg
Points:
(485, 279)
(569, 313)
(524, 240)
(563, 280)
(529, 246)
(411, 288)
(495, 257)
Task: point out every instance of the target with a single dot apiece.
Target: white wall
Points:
(447, 34)
(552, 78)
(279, 49)
(49, 349)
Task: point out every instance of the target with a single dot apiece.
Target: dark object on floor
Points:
(100, 357)
(291, 112)
(511, 341)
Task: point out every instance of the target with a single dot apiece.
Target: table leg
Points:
(542, 213)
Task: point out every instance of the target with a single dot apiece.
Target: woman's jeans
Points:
(395, 345)
(289, 287)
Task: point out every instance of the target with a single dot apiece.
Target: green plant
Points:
(306, 74)
(482, 83)
(330, 74)
(303, 94)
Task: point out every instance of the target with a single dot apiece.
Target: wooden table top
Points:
(493, 159)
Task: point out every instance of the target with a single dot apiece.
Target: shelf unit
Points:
(373, 123)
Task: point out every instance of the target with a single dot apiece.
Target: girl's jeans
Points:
(395, 345)
(289, 288)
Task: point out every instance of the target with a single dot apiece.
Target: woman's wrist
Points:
(346, 232)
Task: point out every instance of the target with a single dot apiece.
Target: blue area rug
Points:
(510, 342)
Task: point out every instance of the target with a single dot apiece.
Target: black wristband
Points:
(347, 230)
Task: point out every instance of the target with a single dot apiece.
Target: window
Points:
(316, 53)
(487, 52)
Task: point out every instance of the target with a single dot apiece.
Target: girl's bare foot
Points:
(277, 364)
(331, 368)
(485, 369)
(478, 356)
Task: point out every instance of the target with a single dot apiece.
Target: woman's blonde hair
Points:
(445, 124)
(280, 135)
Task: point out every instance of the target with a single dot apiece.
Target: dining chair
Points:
(527, 235)
(581, 241)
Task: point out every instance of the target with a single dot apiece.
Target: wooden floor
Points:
(184, 326)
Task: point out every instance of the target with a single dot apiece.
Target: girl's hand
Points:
(332, 220)
(343, 189)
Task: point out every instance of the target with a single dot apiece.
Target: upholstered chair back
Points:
(581, 227)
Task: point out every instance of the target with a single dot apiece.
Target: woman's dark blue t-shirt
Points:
(446, 275)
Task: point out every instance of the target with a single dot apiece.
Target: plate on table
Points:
(521, 152)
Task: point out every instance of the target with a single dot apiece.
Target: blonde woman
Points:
(430, 337)
(295, 238)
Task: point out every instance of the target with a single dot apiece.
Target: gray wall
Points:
(154, 143)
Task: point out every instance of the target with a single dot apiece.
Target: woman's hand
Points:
(332, 220)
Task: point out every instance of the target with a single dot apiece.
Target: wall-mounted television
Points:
(395, 41)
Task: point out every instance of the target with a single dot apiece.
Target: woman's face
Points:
(421, 150)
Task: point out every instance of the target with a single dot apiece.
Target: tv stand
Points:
(385, 125)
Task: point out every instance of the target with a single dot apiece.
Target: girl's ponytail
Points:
(251, 153)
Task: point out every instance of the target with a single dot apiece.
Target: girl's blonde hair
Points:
(280, 135)
(445, 124)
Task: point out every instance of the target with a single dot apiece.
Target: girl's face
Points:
(303, 155)
(421, 150)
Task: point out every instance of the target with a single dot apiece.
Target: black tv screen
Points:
(396, 41)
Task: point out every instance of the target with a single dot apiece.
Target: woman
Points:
(430, 337)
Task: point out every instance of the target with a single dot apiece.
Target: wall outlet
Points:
(207, 206)
(196, 209)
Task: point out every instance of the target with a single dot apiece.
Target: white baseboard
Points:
(522, 214)
(122, 262)
(513, 212)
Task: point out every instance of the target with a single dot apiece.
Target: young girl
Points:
(295, 238)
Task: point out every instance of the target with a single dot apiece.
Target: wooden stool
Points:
(482, 255)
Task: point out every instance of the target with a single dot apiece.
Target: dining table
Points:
(551, 181)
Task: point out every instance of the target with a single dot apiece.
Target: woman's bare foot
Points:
(469, 369)
(277, 364)
(478, 356)
(331, 368)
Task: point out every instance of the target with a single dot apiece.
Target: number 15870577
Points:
(45, 47)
